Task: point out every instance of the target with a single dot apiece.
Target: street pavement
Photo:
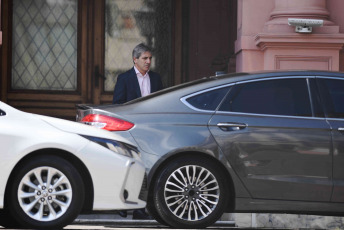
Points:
(149, 224)
(115, 222)
(84, 222)
(123, 224)
(108, 223)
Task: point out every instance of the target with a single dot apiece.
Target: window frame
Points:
(310, 89)
(79, 54)
(56, 103)
(278, 78)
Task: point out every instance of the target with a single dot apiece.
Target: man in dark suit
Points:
(139, 81)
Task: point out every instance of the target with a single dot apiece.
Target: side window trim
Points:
(274, 78)
(329, 77)
(184, 99)
(310, 96)
(237, 84)
(267, 115)
(307, 78)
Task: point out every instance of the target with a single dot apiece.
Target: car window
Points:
(209, 100)
(332, 91)
(288, 97)
(2, 113)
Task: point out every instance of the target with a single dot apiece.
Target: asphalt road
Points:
(137, 225)
(151, 227)
(148, 226)
(123, 224)
(132, 224)
(151, 224)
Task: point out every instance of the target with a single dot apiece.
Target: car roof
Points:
(212, 81)
(267, 74)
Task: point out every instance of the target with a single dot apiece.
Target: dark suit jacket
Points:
(127, 87)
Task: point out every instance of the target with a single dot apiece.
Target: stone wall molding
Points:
(292, 41)
(302, 62)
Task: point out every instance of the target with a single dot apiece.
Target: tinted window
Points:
(332, 91)
(277, 97)
(2, 113)
(209, 100)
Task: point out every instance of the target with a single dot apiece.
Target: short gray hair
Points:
(140, 49)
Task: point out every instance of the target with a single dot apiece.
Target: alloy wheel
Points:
(44, 193)
(192, 193)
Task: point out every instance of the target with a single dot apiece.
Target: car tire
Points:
(45, 192)
(190, 193)
(7, 221)
(154, 214)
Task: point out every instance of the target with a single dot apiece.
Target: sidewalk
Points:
(241, 220)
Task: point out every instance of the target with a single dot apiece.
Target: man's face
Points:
(143, 62)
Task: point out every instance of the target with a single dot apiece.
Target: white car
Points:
(52, 170)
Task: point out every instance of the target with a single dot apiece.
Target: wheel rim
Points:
(191, 193)
(45, 193)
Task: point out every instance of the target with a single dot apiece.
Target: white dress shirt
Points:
(144, 82)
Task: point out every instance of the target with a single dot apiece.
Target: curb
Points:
(145, 223)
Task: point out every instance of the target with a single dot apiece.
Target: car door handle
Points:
(230, 126)
(341, 129)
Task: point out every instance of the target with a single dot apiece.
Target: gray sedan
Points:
(259, 142)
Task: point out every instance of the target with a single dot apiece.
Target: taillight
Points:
(106, 122)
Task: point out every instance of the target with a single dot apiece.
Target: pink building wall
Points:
(266, 42)
(336, 8)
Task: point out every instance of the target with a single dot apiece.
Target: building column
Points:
(278, 47)
(310, 9)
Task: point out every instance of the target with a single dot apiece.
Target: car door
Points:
(332, 94)
(275, 139)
